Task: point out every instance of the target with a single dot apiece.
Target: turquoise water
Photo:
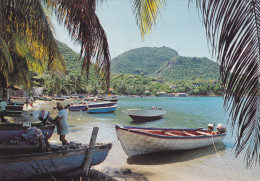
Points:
(209, 163)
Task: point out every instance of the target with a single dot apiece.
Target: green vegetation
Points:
(146, 60)
(189, 76)
(186, 68)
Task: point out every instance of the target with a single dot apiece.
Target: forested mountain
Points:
(70, 57)
(186, 68)
(146, 60)
(164, 63)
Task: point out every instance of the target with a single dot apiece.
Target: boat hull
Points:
(101, 109)
(100, 104)
(78, 108)
(14, 107)
(9, 131)
(137, 143)
(144, 115)
(24, 166)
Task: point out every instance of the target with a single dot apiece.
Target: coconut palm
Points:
(233, 31)
(26, 42)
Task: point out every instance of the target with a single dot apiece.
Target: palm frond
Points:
(233, 30)
(80, 19)
(146, 12)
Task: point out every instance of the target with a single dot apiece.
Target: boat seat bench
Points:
(200, 132)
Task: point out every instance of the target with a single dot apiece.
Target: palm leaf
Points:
(80, 19)
(233, 30)
(146, 12)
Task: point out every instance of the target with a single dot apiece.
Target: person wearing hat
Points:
(62, 123)
(2, 110)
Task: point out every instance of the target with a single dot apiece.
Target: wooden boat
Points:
(45, 99)
(106, 109)
(59, 98)
(24, 166)
(145, 114)
(78, 107)
(9, 131)
(14, 107)
(138, 140)
(100, 104)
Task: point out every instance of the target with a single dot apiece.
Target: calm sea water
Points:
(216, 162)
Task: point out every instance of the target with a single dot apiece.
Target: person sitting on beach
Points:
(2, 110)
(62, 123)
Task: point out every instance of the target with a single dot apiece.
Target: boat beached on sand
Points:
(145, 114)
(26, 152)
(138, 140)
(22, 166)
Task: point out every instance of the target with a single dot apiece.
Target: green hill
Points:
(186, 68)
(164, 63)
(146, 60)
(70, 57)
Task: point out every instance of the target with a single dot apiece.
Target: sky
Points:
(179, 26)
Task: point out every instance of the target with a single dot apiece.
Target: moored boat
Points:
(45, 99)
(100, 104)
(78, 107)
(106, 109)
(145, 114)
(11, 130)
(14, 107)
(138, 140)
(23, 166)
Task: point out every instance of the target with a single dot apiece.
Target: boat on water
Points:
(139, 140)
(94, 107)
(14, 107)
(11, 130)
(45, 99)
(61, 98)
(145, 114)
(106, 109)
(80, 107)
(54, 161)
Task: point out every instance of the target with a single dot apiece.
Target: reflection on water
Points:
(135, 122)
(161, 158)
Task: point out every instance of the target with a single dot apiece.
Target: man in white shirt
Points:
(62, 123)
(2, 110)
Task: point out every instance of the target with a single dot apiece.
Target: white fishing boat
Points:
(145, 114)
(138, 140)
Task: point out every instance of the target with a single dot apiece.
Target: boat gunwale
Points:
(128, 129)
(51, 155)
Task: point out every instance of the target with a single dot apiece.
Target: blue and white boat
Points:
(78, 107)
(100, 104)
(24, 166)
(106, 109)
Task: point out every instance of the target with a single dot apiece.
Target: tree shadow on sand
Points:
(161, 158)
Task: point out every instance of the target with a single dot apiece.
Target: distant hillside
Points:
(70, 57)
(186, 68)
(146, 60)
(164, 63)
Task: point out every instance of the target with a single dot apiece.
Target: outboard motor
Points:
(44, 117)
(211, 126)
(221, 128)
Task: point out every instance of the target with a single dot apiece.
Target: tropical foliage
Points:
(145, 59)
(26, 42)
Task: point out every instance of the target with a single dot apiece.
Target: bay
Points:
(215, 162)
